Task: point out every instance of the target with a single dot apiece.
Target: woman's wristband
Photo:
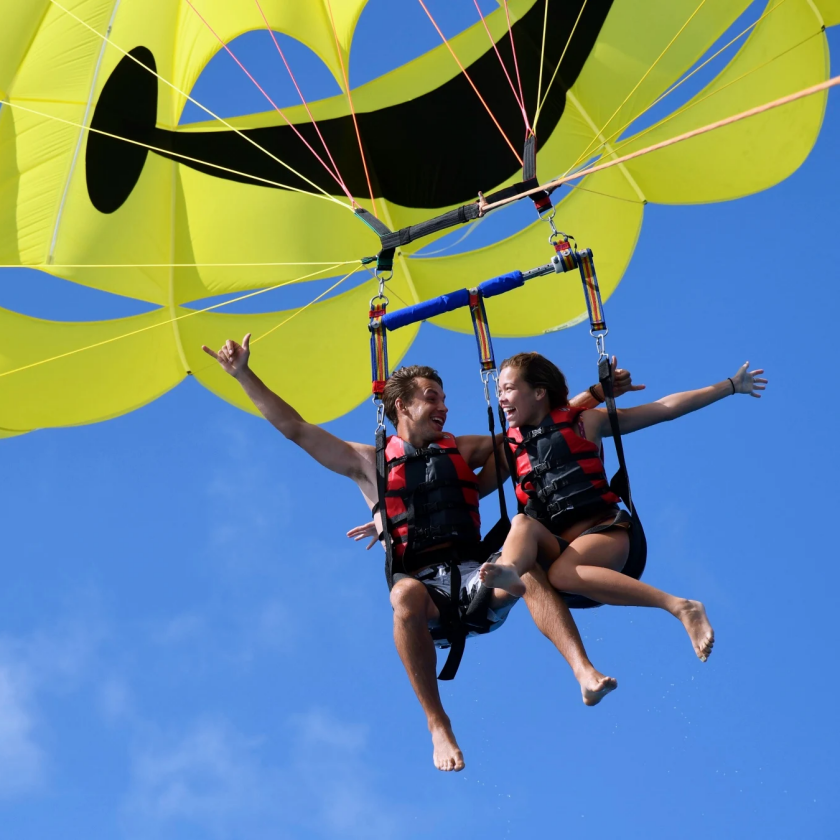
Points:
(595, 397)
(730, 382)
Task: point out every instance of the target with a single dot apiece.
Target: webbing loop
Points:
(378, 350)
(482, 331)
(597, 320)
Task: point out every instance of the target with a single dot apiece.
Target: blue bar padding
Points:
(453, 300)
(498, 285)
(427, 309)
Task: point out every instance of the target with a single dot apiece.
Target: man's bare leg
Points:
(553, 618)
(413, 607)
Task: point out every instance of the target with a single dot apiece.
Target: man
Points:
(415, 403)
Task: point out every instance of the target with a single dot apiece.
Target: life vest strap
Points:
(429, 486)
(430, 507)
(428, 452)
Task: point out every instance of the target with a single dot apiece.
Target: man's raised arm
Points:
(345, 458)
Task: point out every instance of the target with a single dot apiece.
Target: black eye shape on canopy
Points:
(435, 150)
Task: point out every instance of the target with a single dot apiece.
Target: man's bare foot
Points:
(497, 576)
(447, 754)
(692, 614)
(594, 687)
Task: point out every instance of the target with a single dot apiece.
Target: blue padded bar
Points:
(426, 309)
(448, 302)
(498, 285)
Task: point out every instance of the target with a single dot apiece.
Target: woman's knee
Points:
(562, 575)
(409, 598)
(521, 521)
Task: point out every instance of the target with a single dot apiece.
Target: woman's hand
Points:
(623, 380)
(361, 531)
(748, 382)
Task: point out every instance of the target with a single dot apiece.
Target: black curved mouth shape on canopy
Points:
(432, 151)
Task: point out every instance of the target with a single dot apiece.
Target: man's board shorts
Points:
(480, 612)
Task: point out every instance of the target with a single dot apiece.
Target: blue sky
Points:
(190, 648)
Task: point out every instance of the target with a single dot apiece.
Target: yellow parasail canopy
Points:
(95, 170)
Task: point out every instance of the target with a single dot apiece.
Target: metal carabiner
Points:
(488, 376)
(380, 412)
(383, 278)
(599, 343)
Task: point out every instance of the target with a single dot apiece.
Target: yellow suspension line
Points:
(224, 122)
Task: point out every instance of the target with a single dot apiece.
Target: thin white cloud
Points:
(212, 777)
(21, 758)
(53, 661)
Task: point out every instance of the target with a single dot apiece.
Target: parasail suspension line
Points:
(600, 133)
(178, 155)
(517, 96)
(312, 119)
(352, 109)
(694, 102)
(467, 76)
(195, 102)
(183, 317)
(542, 101)
(273, 104)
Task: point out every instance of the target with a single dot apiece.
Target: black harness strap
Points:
(620, 484)
(456, 633)
(391, 240)
(381, 487)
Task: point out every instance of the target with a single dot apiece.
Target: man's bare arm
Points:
(341, 457)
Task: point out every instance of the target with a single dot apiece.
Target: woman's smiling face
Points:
(522, 404)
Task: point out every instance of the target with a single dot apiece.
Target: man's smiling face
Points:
(424, 417)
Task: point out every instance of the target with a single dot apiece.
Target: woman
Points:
(572, 525)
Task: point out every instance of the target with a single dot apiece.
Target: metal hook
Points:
(486, 377)
(380, 412)
(600, 344)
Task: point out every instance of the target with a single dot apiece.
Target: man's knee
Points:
(536, 581)
(409, 598)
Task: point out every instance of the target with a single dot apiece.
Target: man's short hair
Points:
(402, 384)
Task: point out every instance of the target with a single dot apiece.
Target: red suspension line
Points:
(273, 104)
(516, 95)
(472, 84)
(336, 172)
(516, 66)
(352, 110)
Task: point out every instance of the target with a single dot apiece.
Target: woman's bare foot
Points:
(594, 687)
(447, 754)
(692, 614)
(497, 576)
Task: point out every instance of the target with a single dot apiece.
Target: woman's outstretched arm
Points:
(596, 422)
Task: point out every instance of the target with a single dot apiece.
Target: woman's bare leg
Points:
(588, 567)
(527, 541)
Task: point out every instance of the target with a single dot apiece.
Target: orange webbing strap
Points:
(482, 331)
(597, 321)
(378, 347)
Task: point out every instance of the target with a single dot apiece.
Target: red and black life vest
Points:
(560, 475)
(431, 497)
